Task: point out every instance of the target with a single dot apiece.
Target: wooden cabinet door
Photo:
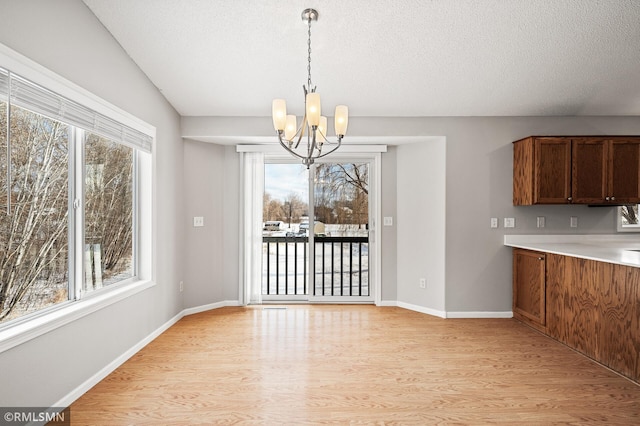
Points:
(529, 287)
(584, 280)
(557, 296)
(552, 170)
(624, 171)
(619, 308)
(589, 171)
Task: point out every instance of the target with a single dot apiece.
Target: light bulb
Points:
(313, 109)
(291, 127)
(341, 120)
(279, 113)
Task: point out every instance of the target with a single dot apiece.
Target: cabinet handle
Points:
(570, 199)
(606, 198)
(613, 198)
(541, 258)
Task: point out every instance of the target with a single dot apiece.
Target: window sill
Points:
(39, 325)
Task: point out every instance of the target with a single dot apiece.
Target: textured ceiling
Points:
(387, 58)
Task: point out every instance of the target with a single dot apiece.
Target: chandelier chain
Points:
(309, 56)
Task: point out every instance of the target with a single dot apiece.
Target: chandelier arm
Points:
(300, 132)
(284, 145)
(311, 142)
(332, 149)
(323, 139)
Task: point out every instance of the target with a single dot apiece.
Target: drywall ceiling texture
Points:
(391, 58)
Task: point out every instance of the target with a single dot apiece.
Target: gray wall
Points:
(211, 190)
(204, 248)
(389, 244)
(65, 37)
(421, 206)
(478, 186)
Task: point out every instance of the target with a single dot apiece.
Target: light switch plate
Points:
(198, 221)
(494, 222)
(509, 222)
(388, 221)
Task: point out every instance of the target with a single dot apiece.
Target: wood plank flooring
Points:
(355, 365)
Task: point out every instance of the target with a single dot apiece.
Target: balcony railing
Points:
(341, 266)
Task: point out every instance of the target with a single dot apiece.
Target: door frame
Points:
(354, 153)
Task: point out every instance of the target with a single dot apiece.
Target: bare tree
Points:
(33, 246)
(109, 203)
(34, 241)
(630, 214)
(291, 209)
(341, 193)
(272, 209)
(294, 208)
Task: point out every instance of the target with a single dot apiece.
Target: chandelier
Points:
(314, 125)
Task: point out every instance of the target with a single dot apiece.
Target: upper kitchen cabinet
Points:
(624, 170)
(606, 170)
(541, 171)
(576, 169)
(589, 171)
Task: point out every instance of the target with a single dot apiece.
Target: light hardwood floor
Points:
(355, 365)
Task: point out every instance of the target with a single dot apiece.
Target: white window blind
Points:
(28, 95)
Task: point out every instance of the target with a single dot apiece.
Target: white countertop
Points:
(604, 248)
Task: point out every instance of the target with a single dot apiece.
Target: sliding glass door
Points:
(315, 232)
(341, 237)
(285, 242)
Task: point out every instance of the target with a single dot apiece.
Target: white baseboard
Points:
(481, 314)
(422, 309)
(113, 365)
(210, 306)
(444, 314)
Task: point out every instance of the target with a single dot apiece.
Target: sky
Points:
(280, 180)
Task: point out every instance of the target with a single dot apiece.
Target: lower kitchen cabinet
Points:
(529, 287)
(619, 308)
(591, 306)
(573, 293)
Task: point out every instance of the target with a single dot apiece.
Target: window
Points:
(34, 223)
(108, 212)
(69, 199)
(627, 218)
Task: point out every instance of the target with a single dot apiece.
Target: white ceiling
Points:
(387, 58)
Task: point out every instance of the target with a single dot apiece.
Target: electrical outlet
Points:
(181, 286)
(540, 222)
(423, 283)
(494, 222)
(573, 221)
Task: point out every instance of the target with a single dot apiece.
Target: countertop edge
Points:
(605, 248)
